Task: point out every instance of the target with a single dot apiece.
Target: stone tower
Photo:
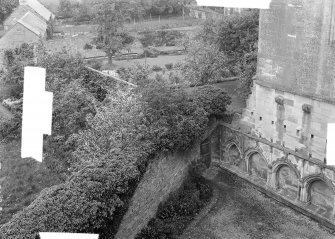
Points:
(293, 96)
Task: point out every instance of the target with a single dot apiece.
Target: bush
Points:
(169, 66)
(10, 128)
(99, 46)
(88, 46)
(157, 68)
(87, 201)
(179, 210)
(149, 53)
(96, 65)
(213, 99)
(160, 38)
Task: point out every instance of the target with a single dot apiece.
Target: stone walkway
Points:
(241, 212)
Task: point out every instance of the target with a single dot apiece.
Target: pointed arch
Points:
(257, 164)
(320, 191)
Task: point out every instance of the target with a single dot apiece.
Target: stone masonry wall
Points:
(163, 176)
(296, 52)
(300, 182)
(280, 118)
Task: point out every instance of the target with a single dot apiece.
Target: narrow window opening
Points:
(298, 132)
(260, 118)
(284, 126)
(272, 122)
(312, 136)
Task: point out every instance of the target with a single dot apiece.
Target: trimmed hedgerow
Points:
(83, 204)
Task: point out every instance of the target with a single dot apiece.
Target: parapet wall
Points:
(300, 182)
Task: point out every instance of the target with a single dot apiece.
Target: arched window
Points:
(258, 166)
(321, 195)
(287, 181)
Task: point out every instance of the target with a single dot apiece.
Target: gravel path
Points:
(241, 212)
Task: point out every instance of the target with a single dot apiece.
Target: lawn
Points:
(155, 24)
(159, 61)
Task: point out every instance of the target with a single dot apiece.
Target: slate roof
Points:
(16, 15)
(33, 23)
(39, 8)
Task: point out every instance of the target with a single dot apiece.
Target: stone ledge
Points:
(315, 161)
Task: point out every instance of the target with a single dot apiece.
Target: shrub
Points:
(99, 46)
(85, 203)
(149, 53)
(169, 66)
(96, 65)
(213, 99)
(10, 128)
(179, 209)
(160, 38)
(88, 46)
(157, 68)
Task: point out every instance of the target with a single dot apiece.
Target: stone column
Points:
(304, 194)
(299, 194)
(271, 182)
(247, 164)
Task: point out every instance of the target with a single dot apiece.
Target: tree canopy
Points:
(102, 138)
(236, 37)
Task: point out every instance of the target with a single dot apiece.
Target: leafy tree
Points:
(15, 61)
(236, 37)
(76, 10)
(138, 75)
(205, 63)
(76, 93)
(110, 16)
(66, 8)
(24, 179)
(85, 203)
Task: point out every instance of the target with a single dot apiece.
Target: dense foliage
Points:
(160, 38)
(205, 63)
(236, 37)
(111, 35)
(76, 93)
(25, 178)
(133, 9)
(103, 136)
